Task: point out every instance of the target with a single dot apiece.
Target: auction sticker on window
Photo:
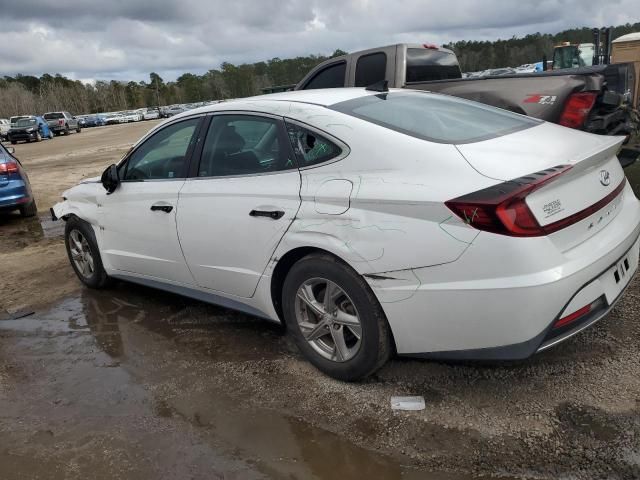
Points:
(552, 208)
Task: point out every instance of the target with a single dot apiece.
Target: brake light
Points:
(502, 208)
(9, 167)
(430, 46)
(60, 121)
(577, 109)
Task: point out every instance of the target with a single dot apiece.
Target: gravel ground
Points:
(133, 383)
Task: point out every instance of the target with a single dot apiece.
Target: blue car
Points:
(29, 128)
(94, 121)
(15, 190)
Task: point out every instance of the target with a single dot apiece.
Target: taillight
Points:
(60, 121)
(430, 46)
(502, 208)
(10, 166)
(577, 109)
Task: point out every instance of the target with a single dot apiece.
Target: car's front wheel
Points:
(334, 318)
(84, 254)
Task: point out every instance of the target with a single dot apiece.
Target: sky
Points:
(127, 39)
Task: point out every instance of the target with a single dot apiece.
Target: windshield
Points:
(436, 118)
(26, 122)
(425, 64)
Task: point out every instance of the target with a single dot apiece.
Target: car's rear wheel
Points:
(38, 137)
(13, 142)
(50, 135)
(29, 210)
(334, 318)
(66, 130)
(84, 254)
(78, 130)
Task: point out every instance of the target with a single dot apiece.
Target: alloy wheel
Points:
(81, 253)
(328, 319)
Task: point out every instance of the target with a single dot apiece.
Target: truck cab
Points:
(401, 65)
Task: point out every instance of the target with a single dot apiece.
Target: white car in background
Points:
(5, 125)
(369, 222)
(151, 114)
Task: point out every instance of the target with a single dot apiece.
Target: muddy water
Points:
(120, 385)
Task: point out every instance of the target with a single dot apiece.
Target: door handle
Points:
(162, 208)
(274, 214)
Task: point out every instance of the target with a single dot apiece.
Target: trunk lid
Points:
(591, 184)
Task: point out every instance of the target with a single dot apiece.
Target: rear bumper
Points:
(500, 299)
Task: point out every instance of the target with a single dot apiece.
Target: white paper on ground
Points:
(407, 403)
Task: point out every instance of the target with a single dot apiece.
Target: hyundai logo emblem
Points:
(605, 179)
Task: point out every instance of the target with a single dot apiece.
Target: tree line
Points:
(25, 94)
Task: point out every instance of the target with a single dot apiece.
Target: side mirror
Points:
(109, 179)
(11, 150)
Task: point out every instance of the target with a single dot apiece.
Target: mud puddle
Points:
(123, 384)
(17, 232)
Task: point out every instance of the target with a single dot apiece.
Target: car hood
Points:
(534, 149)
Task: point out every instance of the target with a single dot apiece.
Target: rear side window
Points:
(309, 147)
(244, 145)
(329, 77)
(433, 117)
(425, 64)
(370, 69)
(51, 116)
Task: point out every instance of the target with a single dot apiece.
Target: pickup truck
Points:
(62, 123)
(596, 99)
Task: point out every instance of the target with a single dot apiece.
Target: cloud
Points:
(126, 39)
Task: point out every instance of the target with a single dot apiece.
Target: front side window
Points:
(243, 145)
(371, 69)
(163, 156)
(436, 118)
(309, 147)
(329, 77)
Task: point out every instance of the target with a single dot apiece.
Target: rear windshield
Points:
(50, 116)
(424, 65)
(434, 117)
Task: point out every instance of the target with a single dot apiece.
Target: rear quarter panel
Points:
(392, 216)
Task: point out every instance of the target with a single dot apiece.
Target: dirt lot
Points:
(134, 383)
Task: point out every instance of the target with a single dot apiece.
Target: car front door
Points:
(138, 220)
(243, 195)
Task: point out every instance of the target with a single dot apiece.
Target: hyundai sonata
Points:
(370, 223)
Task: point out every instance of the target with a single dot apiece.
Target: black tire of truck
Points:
(66, 130)
(78, 129)
(38, 137)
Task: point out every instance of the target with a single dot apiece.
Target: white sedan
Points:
(370, 223)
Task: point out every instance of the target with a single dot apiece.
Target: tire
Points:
(66, 130)
(80, 242)
(353, 300)
(78, 130)
(29, 210)
(50, 135)
(38, 137)
(13, 142)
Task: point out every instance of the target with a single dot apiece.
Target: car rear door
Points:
(138, 220)
(243, 195)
